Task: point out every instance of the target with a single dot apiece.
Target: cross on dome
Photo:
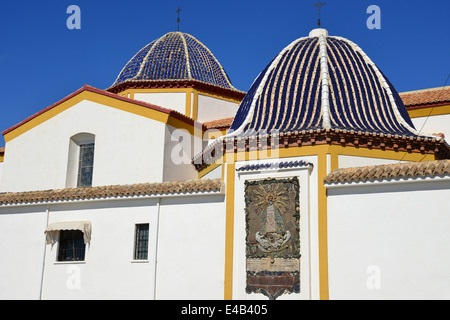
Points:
(178, 19)
(319, 5)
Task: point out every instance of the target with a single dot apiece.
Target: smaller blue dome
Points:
(175, 56)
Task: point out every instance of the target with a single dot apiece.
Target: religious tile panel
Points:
(272, 211)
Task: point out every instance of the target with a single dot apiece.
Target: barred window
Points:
(141, 242)
(71, 245)
(86, 165)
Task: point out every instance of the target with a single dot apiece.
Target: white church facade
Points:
(320, 182)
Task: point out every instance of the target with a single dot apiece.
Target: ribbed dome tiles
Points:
(175, 56)
(322, 82)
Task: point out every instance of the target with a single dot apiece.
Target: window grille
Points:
(71, 245)
(86, 165)
(141, 242)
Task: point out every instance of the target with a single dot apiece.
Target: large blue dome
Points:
(176, 56)
(321, 89)
(322, 82)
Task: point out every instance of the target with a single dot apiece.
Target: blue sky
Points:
(42, 61)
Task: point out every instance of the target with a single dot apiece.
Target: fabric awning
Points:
(83, 226)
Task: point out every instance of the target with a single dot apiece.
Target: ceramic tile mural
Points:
(273, 236)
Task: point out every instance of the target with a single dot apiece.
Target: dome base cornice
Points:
(345, 138)
(167, 84)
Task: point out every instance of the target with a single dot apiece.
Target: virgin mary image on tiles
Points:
(272, 217)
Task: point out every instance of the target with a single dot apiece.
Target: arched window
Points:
(80, 167)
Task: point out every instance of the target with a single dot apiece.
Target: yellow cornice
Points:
(429, 111)
(106, 99)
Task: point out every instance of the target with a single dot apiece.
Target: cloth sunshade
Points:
(83, 226)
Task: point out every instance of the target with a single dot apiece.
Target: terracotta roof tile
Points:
(426, 96)
(220, 123)
(141, 189)
(389, 171)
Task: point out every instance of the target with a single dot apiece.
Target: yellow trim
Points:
(104, 100)
(322, 226)
(321, 152)
(2, 158)
(429, 111)
(333, 150)
(229, 233)
(188, 103)
(195, 106)
(208, 170)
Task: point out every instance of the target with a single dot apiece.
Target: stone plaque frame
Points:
(272, 215)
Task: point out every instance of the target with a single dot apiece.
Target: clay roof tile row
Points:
(426, 96)
(389, 172)
(141, 189)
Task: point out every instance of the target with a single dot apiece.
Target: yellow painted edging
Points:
(104, 100)
(429, 111)
(321, 152)
(195, 106)
(208, 170)
(229, 232)
(188, 103)
(322, 206)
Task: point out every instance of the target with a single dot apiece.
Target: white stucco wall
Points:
(179, 148)
(108, 271)
(128, 149)
(433, 124)
(210, 108)
(389, 241)
(22, 251)
(185, 259)
(345, 161)
(170, 100)
(191, 246)
(1, 171)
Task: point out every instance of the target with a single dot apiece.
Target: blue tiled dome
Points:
(322, 82)
(175, 56)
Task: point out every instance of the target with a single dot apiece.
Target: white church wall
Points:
(309, 277)
(345, 161)
(186, 239)
(109, 271)
(389, 241)
(22, 251)
(191, 246)
(215, 173)
(210, 108)
(128, 149)
(434, 124)
(170, 100)
(179, 148)
(1, 171)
